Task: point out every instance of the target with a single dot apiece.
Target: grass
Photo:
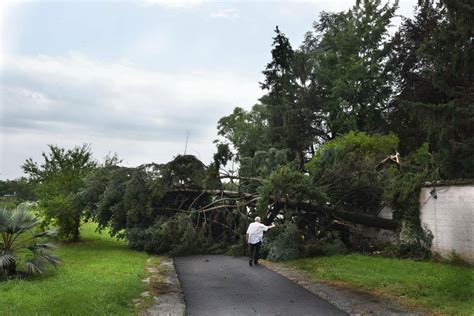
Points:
(433, 286)
(100, 276)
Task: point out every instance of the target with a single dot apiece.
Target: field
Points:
(100, 275)
(434, 286)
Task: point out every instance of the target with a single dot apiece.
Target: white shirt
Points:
(255, 232)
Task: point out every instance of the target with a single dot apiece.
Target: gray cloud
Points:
(76, 98)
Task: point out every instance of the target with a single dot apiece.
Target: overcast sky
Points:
(132, 77)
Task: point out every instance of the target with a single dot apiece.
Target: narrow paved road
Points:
(223, 285)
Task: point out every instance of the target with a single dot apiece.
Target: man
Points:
(254, 239)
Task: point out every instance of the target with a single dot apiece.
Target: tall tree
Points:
(353, 69)
(437, 82)
(413, 81)
(58, 179)
(278, 82)
(289, 118)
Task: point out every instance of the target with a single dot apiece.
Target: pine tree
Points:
(437, 81)
(287, 102)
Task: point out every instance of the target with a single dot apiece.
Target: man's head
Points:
(258, 219)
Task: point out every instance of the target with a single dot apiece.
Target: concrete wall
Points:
(450, 217)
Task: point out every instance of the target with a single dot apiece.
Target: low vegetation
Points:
(100, 275)
(438, 287)
(24, 249)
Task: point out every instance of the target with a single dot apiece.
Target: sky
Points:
(135, 77)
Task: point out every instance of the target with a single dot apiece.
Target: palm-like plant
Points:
(21, 249)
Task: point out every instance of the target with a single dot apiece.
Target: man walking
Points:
(254, 239)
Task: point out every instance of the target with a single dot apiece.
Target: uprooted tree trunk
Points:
(228, 199)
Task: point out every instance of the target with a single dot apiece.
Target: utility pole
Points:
(187, 138)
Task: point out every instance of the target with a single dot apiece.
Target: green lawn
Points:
(438, 287)
(100, 275)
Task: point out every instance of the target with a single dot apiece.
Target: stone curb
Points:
(167, 293)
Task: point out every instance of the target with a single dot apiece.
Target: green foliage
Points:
(173, 236)
(346, 170)
(245, 130)
(184, 171)
(402, 193)
(291, 184)
(287, 244)
(57, 181)
(237, 250)
(157, 207)
(352, 67)
(121, 198)
(263, 163)
(20, 189)
(22, 246)
(353, 148)
(403, 189)
(287, 183)
(436, 57)
(287, 103)
(223, 155)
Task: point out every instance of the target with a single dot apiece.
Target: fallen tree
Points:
(186, 207)
(223, 197)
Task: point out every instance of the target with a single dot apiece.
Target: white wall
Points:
(450, 217)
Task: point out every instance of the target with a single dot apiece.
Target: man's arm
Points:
(268, 227)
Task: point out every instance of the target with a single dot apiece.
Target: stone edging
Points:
(168, 297)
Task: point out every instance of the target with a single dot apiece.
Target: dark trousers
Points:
(254, 252)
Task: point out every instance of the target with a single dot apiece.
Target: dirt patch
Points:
(164, 295)
(339, 294)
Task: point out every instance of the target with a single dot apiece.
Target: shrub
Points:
(21, 249)
(287, 244)
(237, 250)
(173, 236)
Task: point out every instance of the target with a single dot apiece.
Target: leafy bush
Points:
(286, 245)
(60, 210)
(237, 250)
(173, 236)
(21, 248)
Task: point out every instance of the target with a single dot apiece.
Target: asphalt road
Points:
(224, 285)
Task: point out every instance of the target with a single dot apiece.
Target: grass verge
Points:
(100, 276)
(433, 286)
